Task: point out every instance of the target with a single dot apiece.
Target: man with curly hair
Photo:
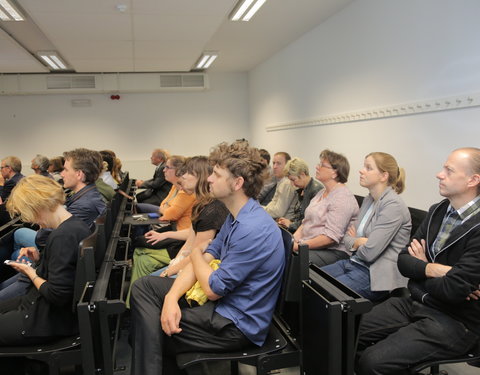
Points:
(241, 293)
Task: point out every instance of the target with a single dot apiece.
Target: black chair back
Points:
(417, 217)
(85, 271)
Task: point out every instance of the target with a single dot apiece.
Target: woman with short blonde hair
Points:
(47, 302)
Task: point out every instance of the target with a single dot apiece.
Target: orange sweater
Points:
(177, 206)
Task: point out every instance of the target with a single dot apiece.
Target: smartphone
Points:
(9, 261)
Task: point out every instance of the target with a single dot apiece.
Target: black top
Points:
(211, 217)
(50, 307)
(9, 185)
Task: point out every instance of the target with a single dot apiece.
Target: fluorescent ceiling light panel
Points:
(206, 60)
(202, 61)
(3, 16)
(241, 10)
(52, 59)
(50, 62)
(253, 10)
(210, 61)
(12, 13)
(244, 10)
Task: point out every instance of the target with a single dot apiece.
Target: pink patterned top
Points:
(331, 216)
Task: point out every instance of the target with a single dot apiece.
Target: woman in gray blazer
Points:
(381, 231)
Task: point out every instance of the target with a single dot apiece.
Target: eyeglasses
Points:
(321, 165)
(167, 167)
(4, 166)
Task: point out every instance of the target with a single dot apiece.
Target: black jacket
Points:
(157, 188)
(9, 185)
(461, 251)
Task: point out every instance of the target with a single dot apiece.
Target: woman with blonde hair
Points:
(44, 311)
(381, 231)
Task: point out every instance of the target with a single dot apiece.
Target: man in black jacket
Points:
(157, 188)
(10, 168)
(441, 318)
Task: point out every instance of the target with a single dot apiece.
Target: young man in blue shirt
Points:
(241, 294)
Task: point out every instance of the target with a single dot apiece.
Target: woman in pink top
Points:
(330, 213)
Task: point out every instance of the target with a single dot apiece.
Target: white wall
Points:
(375, 53)
(186, 123)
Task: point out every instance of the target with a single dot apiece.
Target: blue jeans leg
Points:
(23, 237)
(14, 287)
(356, 277)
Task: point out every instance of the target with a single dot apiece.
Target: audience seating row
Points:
(315, 325)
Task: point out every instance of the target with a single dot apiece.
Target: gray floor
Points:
(123, 363)
(457, 369)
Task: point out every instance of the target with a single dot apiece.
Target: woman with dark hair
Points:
(44, 312)
(56, 167)
(329, 213)
(381, 231)
(208, 215)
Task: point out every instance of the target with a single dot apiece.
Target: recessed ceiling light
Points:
(8, 12)
(245, 10)
(206, 59)
(53, 60)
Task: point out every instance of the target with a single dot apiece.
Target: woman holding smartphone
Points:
(45, 311)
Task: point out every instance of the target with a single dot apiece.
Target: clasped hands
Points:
(359, 241)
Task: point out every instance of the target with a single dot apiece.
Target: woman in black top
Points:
(45, 312)
(208, 214)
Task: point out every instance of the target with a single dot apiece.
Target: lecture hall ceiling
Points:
(153, 35)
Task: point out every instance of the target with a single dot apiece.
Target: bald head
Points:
(460, 177)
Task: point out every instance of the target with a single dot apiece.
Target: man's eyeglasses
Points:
(4, 166)
(167, 167)
(321, 165)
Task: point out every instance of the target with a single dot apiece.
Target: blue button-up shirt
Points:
(252, 258)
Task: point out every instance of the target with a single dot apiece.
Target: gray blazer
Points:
(388, 232)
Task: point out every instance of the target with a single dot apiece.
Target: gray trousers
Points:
(202, 329)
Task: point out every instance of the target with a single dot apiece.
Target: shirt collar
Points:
(246, 209)
(467, 209)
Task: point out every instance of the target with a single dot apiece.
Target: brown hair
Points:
(88, 161)
(387, 163)
(285, 155)
(200, 167)
(177, 162)
(57, 163)
(242, 161)
(339, 163)
(33, 194)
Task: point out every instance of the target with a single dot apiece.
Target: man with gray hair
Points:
(10, 168)
(157, 188)
(40, 164)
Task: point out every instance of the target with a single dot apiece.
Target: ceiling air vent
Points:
(182, 80)
(70, 82)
